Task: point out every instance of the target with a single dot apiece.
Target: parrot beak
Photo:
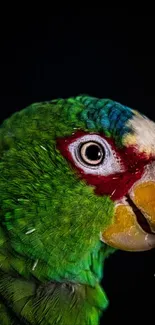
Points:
(133, 226)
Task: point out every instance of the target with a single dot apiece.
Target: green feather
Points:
(51, 259)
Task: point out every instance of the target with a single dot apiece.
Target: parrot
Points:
(77, 183)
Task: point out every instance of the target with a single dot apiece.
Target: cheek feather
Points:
(116, 184)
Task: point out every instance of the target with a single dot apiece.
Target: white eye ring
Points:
(91, 153)
(109, 163)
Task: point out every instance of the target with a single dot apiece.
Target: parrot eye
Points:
(94, 155)
(91, 153)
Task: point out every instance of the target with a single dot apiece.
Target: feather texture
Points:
(51, 256)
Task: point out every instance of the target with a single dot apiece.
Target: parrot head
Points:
(75, 173)
(115, 154)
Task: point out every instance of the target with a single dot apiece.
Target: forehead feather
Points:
(142, 134)
(107, 116)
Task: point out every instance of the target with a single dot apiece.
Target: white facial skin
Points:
(109, 165)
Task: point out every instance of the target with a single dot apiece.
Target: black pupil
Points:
(93, 152)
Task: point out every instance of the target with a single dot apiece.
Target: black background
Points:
(108, 53)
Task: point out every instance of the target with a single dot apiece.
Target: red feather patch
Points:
(117, 184)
